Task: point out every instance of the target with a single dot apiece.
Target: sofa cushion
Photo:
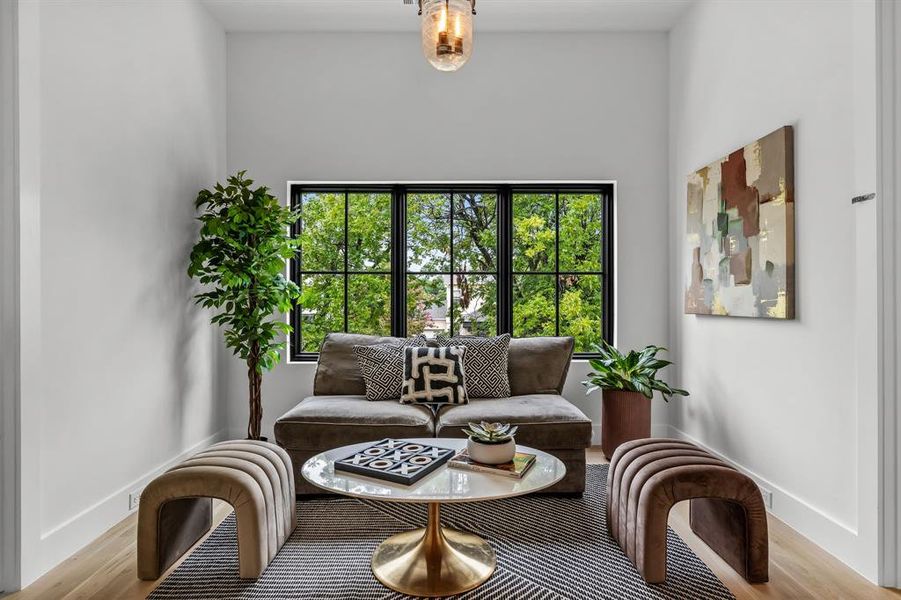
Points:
(322, 422)
(486, 364)
(546, 421)
(538, 365)
(338, 372)
(434, 376)
(382, 366)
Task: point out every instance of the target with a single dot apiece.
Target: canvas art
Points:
(741, 246)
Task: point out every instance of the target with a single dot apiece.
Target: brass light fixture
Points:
(446, 32)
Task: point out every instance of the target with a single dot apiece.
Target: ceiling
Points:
(493, 15)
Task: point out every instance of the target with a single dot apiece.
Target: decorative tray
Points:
(397, 461)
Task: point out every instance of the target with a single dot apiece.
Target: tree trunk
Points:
(255, 383)
(254, 377)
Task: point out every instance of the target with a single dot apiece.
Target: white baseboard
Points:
(63, 540)
(837, 538)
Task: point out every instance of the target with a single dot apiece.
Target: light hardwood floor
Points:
(798, 568)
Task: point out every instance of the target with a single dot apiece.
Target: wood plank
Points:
(799, 569)
(105, 568)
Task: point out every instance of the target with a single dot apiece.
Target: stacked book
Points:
(516, 468)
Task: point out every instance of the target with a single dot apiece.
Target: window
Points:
(345, 252)
(458, 259)
(452, 262)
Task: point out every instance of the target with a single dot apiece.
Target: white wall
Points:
(347, 107)
(123, 123)
(791, 402)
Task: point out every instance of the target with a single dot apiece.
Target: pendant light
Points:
(447, 32)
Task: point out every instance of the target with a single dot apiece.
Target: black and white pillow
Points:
(382, 366)
(486, 364)
(434, 376)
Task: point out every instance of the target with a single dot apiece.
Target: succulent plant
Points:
(490, 433)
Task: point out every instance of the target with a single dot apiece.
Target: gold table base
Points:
(433, 561)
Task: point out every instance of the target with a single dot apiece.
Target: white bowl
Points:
(491, 454)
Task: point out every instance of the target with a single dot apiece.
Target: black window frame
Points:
(504, 251)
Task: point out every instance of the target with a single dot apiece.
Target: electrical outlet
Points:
(767, 498)
(133, 499)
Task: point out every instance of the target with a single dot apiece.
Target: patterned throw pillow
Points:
(486, 364)
(383, 367)
(434, 376)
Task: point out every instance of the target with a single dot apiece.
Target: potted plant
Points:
(240, 258)
(491, 443)
(628, 382)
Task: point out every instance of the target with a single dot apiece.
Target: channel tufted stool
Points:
(648, 476)
(255, 477)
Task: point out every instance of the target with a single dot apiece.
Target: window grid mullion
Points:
(399, 262)
(450, 304)
(557, 263)
(449, 272)
(557, 272)
(295, 321)
(504, 258)
(348, 272)
(346, 251)
(607, 277)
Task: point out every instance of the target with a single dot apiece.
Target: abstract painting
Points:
(741, 232)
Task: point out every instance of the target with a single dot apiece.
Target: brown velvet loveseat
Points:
(338, 413)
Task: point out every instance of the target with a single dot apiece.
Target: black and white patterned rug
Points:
(548, 548)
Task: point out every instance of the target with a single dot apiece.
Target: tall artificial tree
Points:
(240, 258)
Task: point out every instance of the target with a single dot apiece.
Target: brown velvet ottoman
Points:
(647, 477)
(256, 478)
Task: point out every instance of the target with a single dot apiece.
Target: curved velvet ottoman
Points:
(648, 476)
(255, 477)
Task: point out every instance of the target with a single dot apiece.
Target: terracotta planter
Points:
(625, 416)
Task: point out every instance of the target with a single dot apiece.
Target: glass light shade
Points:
(447, 33)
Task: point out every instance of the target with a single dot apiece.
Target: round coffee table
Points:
(433, 561)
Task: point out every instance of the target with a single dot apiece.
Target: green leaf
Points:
(239, 258)
(635, 370)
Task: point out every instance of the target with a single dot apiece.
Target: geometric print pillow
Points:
(382, 366)
(434, 376)
(486, 364)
